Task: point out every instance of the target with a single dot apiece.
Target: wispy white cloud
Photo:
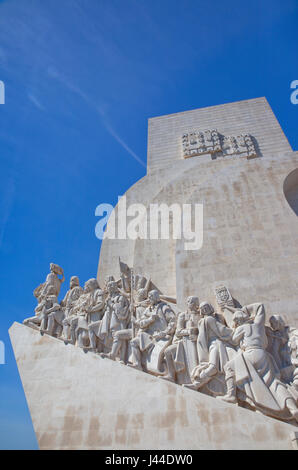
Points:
(35, 101)
(99, 109)
(123, 144)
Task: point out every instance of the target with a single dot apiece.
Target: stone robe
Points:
(256, 373)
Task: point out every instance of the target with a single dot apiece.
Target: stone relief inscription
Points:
(217, 145)
(200, 143)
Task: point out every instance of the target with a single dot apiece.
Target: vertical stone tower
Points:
(236, 161)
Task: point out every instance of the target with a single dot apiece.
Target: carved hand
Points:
(193, 337)
(159, 335)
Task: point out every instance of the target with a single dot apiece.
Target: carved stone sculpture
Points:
(36, 319)
(293, 345)
(156, 329)
(52, 284)
(53, 279)
(68, 304)
(181, 356)
(87, 312)
(51, 307)
(214, 347)
(282, 344)
(121, 339)
(231, 355)
(200, 143)
(212, 142)
(223, 297)
(115, 319)
(253, 372)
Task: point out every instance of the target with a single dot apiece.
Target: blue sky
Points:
(82, 78)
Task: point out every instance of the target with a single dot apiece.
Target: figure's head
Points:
(206, 308)
(74, 282)
(109, 279)
(277, 322)
(91, 285)
(54, 268)
(141, 295)
(240, 317)
(193, 303)
(141, 283)
(112, 287)
(153, 297)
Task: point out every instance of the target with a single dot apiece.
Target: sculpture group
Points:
(230, 354)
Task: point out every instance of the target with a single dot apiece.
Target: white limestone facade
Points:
(250, 224)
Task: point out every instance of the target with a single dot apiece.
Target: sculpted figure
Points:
(253, 372)
(214, 347)
(68, 306)
(47, 304)
(50, 306)
(115, 319)
(141, 302)
(36, 320)
(181, 356)
(278, 338)
(156, 327)
(293, 345)
(53, 280)
(283, 345)
(52, 283)
(106, 282)
(121, 338)
(87, 312)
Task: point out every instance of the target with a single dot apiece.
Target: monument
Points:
(176, 346)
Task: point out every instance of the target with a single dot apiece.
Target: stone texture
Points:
(250, 227)
(81, 401)
(253, 117)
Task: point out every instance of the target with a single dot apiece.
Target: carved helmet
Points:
(194, 300)
(154, 294)
(277, 322)
(206, 308)
(240, 317)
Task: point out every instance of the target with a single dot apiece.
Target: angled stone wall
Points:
(81, 401)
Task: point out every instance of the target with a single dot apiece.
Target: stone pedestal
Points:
(78, 400)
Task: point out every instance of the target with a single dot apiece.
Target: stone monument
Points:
(175, 348)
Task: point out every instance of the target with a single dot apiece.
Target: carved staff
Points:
(132, 302)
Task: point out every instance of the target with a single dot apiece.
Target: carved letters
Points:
(217, 145)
